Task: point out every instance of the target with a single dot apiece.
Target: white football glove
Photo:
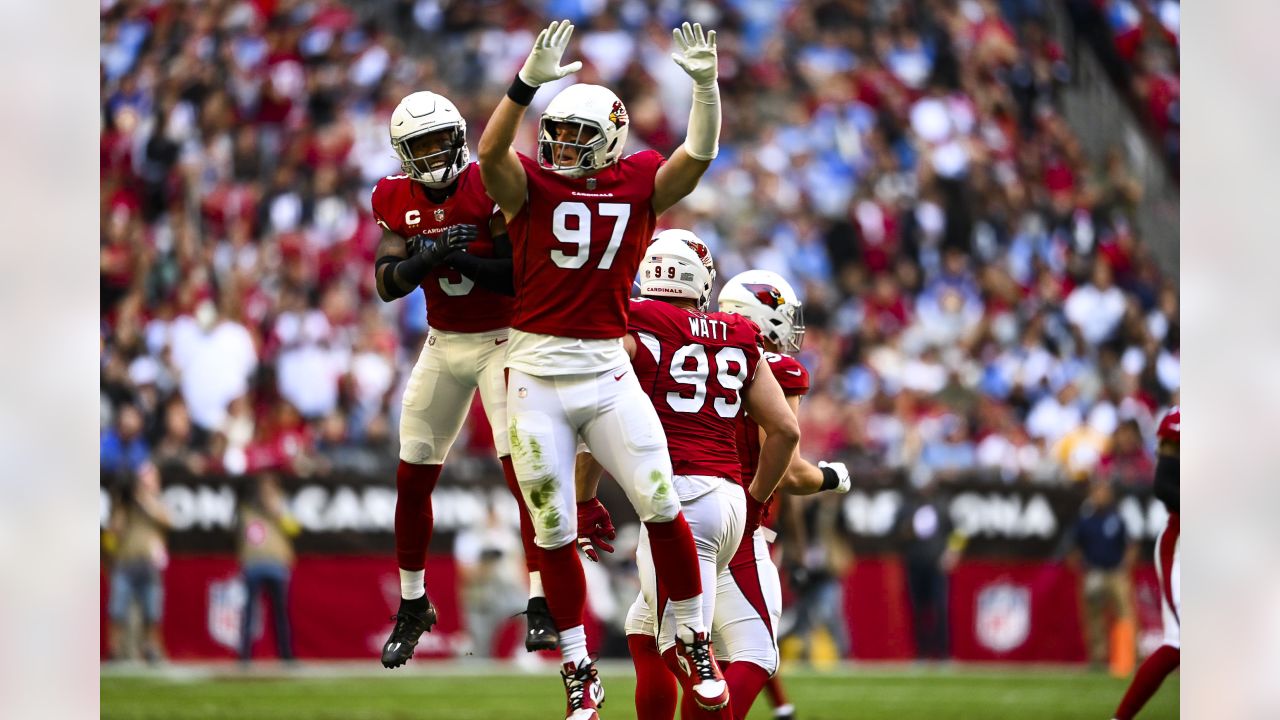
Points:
(543, 64)
(842, 472)
(697, 53)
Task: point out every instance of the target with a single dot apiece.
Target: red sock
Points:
(655, 685)
(532, 552)
(565, 584)
(414, 484)
(745, 680)
(777, 696)
(675, 558)
(1147, 680)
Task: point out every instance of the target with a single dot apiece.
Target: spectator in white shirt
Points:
(215, 357)
(1098, 307)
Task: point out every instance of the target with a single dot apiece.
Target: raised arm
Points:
(503, 174)
(696, 55)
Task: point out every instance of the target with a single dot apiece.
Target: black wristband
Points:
(520, 92)
(830, 479)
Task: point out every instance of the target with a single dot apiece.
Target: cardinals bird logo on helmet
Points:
(618, 115)
(768, 295)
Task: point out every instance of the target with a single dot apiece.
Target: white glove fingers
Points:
(697, 33)
(687, 30)
(566, 32)
(678, 37)
(711, 39)
(571, 68)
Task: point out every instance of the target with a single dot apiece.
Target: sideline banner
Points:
(349, 514)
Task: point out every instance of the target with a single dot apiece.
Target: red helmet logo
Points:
(703, 253)
(618, 115)
(769, 295)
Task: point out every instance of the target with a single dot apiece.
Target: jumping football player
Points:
(434, 216)
(1166, 658)
(702, 371)
(581, 216)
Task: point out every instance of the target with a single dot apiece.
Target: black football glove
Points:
(436, 248)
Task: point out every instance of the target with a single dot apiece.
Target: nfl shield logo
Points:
(226, 609)
(1004, 616)
(591, 183)
(439, 214)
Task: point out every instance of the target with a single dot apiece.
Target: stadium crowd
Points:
(976, 295)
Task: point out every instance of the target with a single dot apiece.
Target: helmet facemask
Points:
(436, 168)
(586, 139)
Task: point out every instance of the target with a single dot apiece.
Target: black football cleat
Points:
(414, 618)
(542, 633)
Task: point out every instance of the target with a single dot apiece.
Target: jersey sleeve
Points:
(647, 163)
(380, 201)
(791, 375)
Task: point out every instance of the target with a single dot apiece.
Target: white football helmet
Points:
(678, 265)
(770, 302)
(419, 114)
(596, 111)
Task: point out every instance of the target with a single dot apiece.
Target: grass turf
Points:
(857, 694)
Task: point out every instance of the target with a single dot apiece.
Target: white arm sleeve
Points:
(703, 139)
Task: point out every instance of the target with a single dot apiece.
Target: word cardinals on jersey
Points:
(595, 231)
(794, 379)
(694, 366)
(454, 302)
(1171, 426)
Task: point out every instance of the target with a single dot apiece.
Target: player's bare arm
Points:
(803, 477)
(780, 431)
(696, 55)
(503, 174)
(393, 246)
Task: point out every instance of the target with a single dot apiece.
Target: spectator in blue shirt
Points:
(1104, 553)
(122, 448)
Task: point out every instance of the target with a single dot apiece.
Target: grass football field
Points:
(453, 692)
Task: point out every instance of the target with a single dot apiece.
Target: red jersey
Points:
(454, 302)
(1171, 426)
(577, 244)
(694, 366)
(794, 380)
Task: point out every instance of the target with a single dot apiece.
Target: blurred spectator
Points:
(214, 357)
(122, 447)
(1127, 460)
(932, 548)
(817, 559)
(490, 573)
(265, 542)
(136, 543)
(1105, 555)
(1097, 307)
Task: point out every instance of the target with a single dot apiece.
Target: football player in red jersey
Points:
(749, 606)
(702, 371)
(1167, 657)
(581, 216)
(437, 219)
